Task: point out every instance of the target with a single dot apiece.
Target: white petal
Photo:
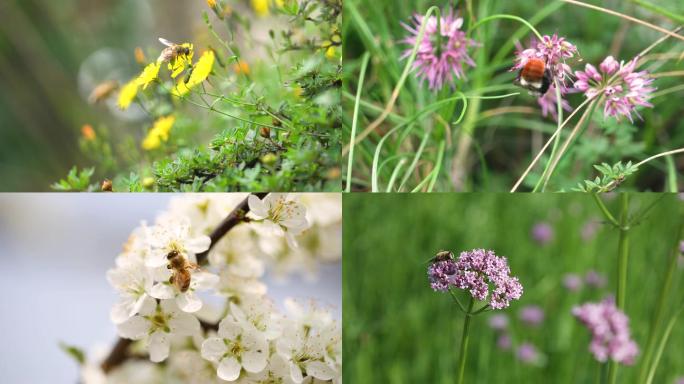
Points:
(137, 306)
(162, 291)
(156, 258)
(159, 346)
(134, 328)
(198, 244)
(169, 306)
(229, 328)
(184, 324)
(148, 306)
(296, 373)
(291, 240)
(204, 280)
(188, 302)
(254, 361)
(319, 370)
(213, 349)
(237, 312)
(121, 311)
(257, 206)
(229, 369)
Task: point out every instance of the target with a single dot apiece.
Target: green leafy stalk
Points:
(464, 342)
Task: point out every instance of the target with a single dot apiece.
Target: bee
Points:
(442, 256)
(181, 270)
(172, 51)
(535, 76)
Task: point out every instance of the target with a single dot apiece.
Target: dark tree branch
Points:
(119, 352)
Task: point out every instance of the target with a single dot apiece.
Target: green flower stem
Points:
(464, 342)
(623, 253)
(605, 210)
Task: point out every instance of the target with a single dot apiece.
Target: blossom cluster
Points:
(249, 340)
(609, 327)
(442, 54)
(474, 271)
(623, 88)
(553, 50)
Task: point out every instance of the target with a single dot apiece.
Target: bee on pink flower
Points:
(546, 60)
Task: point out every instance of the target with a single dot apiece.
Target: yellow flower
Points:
(158, 133)
(280, 3)
(181, 89)
(211, 3)
(260, 7)
(202, 68)
(331, 52)
(149, 74)
(127, 94)
(178, 65)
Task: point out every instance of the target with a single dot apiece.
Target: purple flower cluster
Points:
(609, 327)
(441, 55)
(548, 103)
(474, 271)
(623, 88)
(553, 50)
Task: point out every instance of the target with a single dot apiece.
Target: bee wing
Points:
(166, 42)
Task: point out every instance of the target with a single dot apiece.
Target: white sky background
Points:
(54, 252)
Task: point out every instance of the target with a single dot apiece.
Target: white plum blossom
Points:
(283, 211)
(238, 334)
(156, 323)
(133, 282)
(187, 301)
(237, 347)
(174, 235)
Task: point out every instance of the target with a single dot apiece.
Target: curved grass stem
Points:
(362, 75)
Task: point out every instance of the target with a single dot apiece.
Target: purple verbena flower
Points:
(542, 233)
(553, 50)
(474, 271)
(498, 322)
(531, 315)
(441, 274)
(622, 88)
(609, 327)
(527, 353)
(439, 63)
(594, 279)
(504, 341)
(572, 282)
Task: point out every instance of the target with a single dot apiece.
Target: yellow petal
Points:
(127, 94)
(177, 66)
(181, 89)
(260, 7)
(158, 133)
(149, 74)
(202, 69)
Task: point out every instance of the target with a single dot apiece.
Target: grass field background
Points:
(396, 329)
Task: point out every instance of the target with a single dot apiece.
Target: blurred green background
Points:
(396, 329)
(51, 55)
(507, 133)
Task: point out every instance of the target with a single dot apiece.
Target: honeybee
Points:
(181, 276)
(172, 51)
(535, 76)
(442, 256)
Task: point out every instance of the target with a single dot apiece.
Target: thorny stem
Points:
(119, 352)
(464, 342)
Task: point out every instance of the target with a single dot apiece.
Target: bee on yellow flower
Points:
(177, 55)
(159, 132)
(200, 72)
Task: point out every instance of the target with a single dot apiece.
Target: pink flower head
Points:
(441, 56)
(504, 341)
(548, 104)
(441, 274)
(531, 315)
(622, 88)
(498, 322)
(594, 279)
(527, 353)
(542, 233)
(609, 327)
(553, 50)
(572, 282)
